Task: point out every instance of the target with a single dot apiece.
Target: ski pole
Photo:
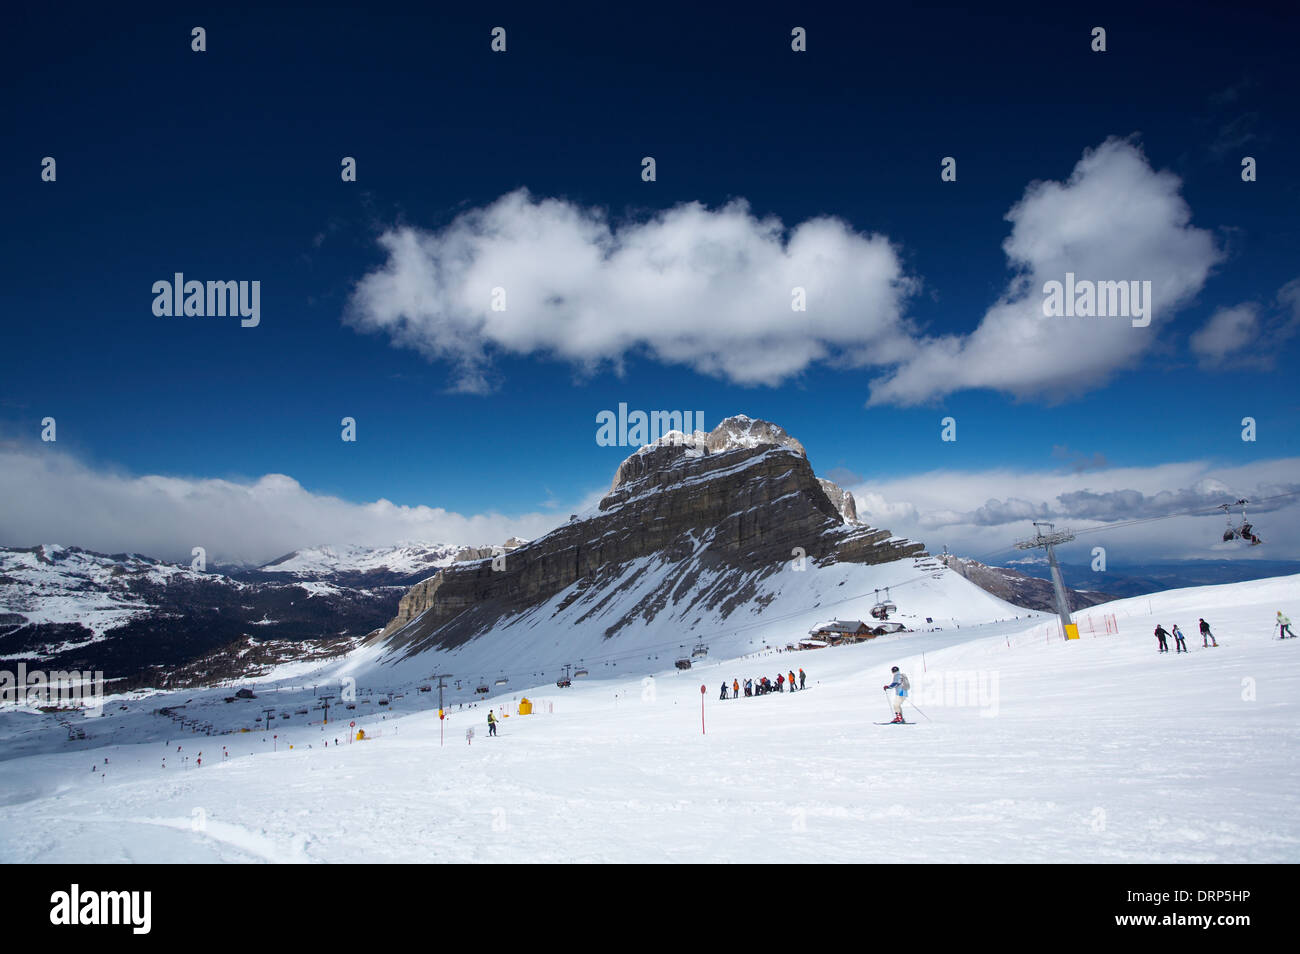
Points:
(887, 705)
(923, 715)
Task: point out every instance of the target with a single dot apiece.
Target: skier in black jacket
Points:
(1161, 633)
(1205, 633)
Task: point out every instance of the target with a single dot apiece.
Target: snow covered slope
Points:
(324, 562)
(1031, 749)
(51, 585)
(573, 626)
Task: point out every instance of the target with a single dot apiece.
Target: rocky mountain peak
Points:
(693, 524)
(739, 432)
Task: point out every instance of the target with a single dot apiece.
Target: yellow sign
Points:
(1071, 631)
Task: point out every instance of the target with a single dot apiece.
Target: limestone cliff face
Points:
(741, 501)
(841, 498)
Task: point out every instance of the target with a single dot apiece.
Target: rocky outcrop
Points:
(841, 498)
(734, 505)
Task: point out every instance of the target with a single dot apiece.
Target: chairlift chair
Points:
(1245, 530)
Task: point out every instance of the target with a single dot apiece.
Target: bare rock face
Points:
(739, 500)
(841, 498)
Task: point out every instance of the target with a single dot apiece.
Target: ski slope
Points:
(1034, 750)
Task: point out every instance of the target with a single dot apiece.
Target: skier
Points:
(724, 690)
(792, 680)
(780, 681)
(802, 677)
(735, 688)
(492, 723)
(1179, 642)
(901, 685)
(1205, 633)
(1284, 626)
(1161, 633)
(749, 688)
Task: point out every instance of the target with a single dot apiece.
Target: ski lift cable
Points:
(1137, 521)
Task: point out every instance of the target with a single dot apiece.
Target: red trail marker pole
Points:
(702, 692)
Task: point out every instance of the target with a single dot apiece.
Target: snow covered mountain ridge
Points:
(692, 527)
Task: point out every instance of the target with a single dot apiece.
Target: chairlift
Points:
(502, 681)
(684, 663)
(884, 607)
(483, 688)
(1243, 531)
(578, 673)
(700, 651)
(564, 681)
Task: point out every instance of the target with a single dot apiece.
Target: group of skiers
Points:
(762, 685)
(1207, 637)
(1162, 637)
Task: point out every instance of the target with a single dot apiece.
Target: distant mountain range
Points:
(1141, 579)
(142, 620)
(1022, 589)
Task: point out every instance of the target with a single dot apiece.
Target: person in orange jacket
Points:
(791, 674)
(735, 688)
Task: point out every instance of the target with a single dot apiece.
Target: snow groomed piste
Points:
(1033, 749)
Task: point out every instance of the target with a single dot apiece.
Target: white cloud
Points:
(50, 497)
(1241, 337)
(1115, 219)
(1229, 330)
(708, 289)
(981, 513)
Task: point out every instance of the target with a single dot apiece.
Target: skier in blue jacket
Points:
(901, 685)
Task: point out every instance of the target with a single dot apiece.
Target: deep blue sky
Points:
(225, 165)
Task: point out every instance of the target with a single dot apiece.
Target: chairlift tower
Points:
(441, 676)
(1048, 541)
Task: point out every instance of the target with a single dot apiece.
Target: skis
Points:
(904, 722)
